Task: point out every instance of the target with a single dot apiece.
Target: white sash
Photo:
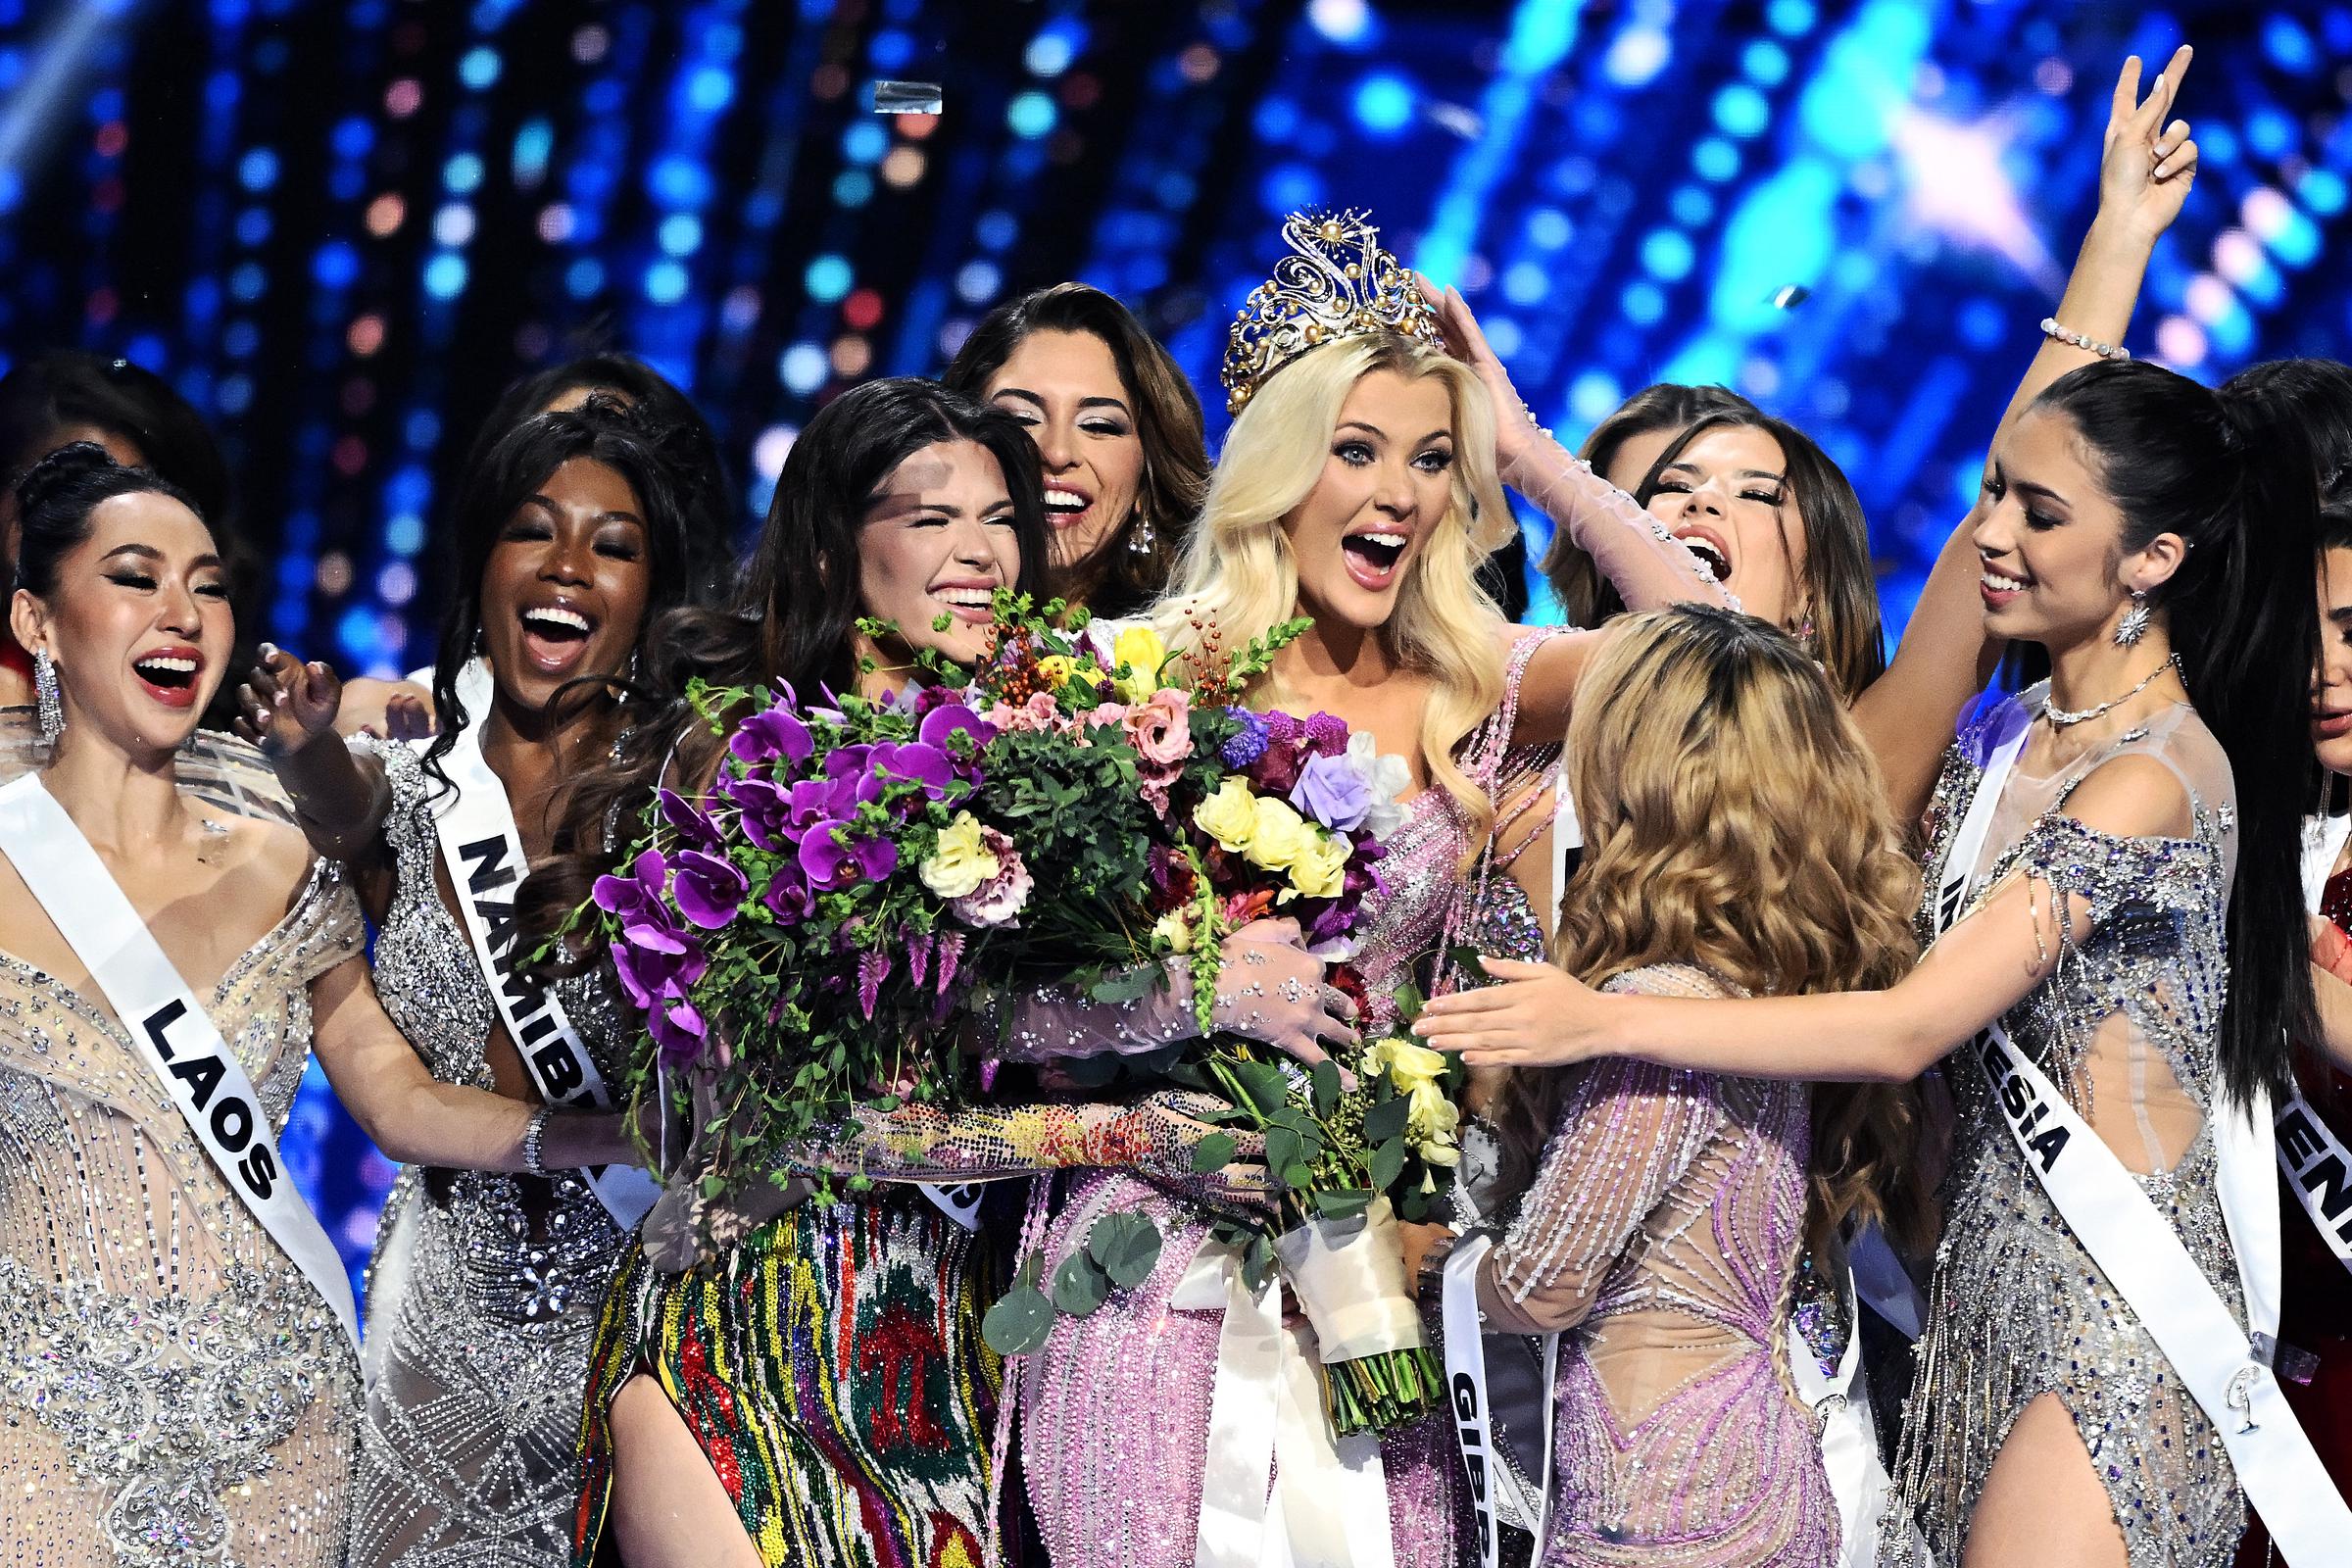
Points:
(958, 1201)
(2318, 1165)
(2222, 1364)
(1496, 1496)
(169, 1028)
(485, 856)
(1849, 1438)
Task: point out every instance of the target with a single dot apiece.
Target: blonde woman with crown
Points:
(1357, 489)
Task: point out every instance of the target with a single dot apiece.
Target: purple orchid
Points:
(766, 812)
(915, 763)
(708, 889)
(695, 828)
(835, 856)
(678, 1029)
(941, 724)
(774, 735)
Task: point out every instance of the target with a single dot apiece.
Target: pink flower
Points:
(1163, 728)
(1112, 714)
(1038, 715)
(1003, 897)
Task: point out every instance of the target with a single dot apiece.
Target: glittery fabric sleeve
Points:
(1628, 1131)
(1643, 561)
(1060, 1021)
(2118, 877)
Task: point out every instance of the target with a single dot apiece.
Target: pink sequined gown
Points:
(1662, 1229)
(1116, 1407)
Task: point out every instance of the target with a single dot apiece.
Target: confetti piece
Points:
(908, 97)
(1789, 296)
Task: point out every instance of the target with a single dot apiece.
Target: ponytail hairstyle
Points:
(793, 619)
(2315, 395)
(55, 498)
(1576, 582)
(2235, 484)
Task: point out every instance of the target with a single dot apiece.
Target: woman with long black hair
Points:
(2113, 898)
(483, 1295)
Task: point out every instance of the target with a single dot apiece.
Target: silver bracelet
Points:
(2088, 345)
(532, 1164)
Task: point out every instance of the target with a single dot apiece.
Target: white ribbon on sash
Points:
(2224, 1365)
(1329, 1504)
(483, 853)
(1498, 1495)
(2318, 1165)
(1849, 1434)
(169, 1028)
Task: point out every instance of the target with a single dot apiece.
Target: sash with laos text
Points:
(167, 1028)
(2224, 1365)
(483, 853)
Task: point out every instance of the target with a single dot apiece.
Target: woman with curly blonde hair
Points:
(1737, 843)
(1357, 490)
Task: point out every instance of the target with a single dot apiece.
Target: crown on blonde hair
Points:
(1336, 283)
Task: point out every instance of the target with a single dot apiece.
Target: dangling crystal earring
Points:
(2134, 624)
(51, 706)
(1140, 540)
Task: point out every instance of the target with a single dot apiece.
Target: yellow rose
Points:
(1409, 1064)
(1277, 834)
(1139, 652)
(1175, 930)
(1054, 670)
(1438, 1155)
(1090, 675)
(1432, 1118)
(1320, 869)
(961, 861)
(1230, 814)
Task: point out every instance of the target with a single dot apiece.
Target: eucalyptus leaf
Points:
(1080, 1285)
(1020, 1322)
(1345, 1202)
(1214, 1153)
(1387, 1119)
(1285, 1149)
(1263, 1083)
(1388, 1164)
(1326, 1081)
(1127, 1246)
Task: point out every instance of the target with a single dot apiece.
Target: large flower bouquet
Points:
(1246, 816)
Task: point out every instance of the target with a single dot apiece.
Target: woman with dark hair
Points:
(484, 1291)
(404, 709)
(1623, 448)
(2114, 895)
(184, 1380)
(783, 1380)
(1118, 429)
(56, 399)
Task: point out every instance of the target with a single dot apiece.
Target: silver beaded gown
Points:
(484, 1290)
(173, 1392)
(2126, 1028)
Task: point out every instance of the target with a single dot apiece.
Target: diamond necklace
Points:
(2062, 718)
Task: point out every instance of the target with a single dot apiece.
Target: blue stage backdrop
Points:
(340, 227)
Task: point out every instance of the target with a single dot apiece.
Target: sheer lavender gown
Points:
(1662, 1230)
(1115, 1408)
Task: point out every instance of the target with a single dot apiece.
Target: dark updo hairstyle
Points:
(1117, 580)
(44, 398)
(2235, 486)
(2317, 396)
(55, 498)
(503, 475)
(706, 490)
(1583, 592)
(793, 620)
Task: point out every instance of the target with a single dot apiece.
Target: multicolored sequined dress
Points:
(2126, 1026)
(483, 1294)
(173, 1392)
(1661, 1232)
(1116, 1407)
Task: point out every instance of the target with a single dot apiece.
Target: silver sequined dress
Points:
(2126, 1028)
(173, 1392)
(484, 1291)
